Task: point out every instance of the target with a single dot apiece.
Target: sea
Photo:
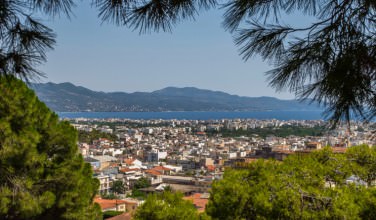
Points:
(261, 115)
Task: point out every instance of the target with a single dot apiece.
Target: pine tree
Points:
(42, 174)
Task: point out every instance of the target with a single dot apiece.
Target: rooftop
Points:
(199, 200)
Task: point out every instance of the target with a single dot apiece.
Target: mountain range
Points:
(66, 97)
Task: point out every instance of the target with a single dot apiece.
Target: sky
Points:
(105, 57)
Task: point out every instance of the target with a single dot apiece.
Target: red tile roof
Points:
(200, 203)
(129, 161)
(123, 216)
(284, 151)
(210, 167)
(153, 172)
(109, 203)
(126, 169)
(339, 149)
(158, 168)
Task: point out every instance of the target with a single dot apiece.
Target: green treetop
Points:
(42, 174)
(118, 187)
(314, 186)
(166, 206)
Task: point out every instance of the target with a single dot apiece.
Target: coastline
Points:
(199, 115)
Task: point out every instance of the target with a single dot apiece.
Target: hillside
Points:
(66, 97)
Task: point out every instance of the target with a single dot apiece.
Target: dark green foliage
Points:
(189, 173)
(109, 214)
(282, 131)
(150, 15)
(141, 183)
(109, 196)
(23, 39)
(138, 194)
(364, 162)
(301, 187)
(42, 174)
(118, 187)
(167, 188)
(89, 137)
(166, 206)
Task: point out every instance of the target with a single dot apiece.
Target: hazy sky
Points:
(105, 57)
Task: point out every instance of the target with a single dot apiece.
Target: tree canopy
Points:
(166, 206)
(89, 137)
(43, 176)
(320, 185)
(331, 60)
(143, 182)
(118, 187)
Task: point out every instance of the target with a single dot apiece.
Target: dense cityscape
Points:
(188, 155)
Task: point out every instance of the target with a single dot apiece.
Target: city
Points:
(188, 155)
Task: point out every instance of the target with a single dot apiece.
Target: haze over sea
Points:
(280, 115)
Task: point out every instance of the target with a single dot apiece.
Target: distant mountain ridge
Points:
(66, 97)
